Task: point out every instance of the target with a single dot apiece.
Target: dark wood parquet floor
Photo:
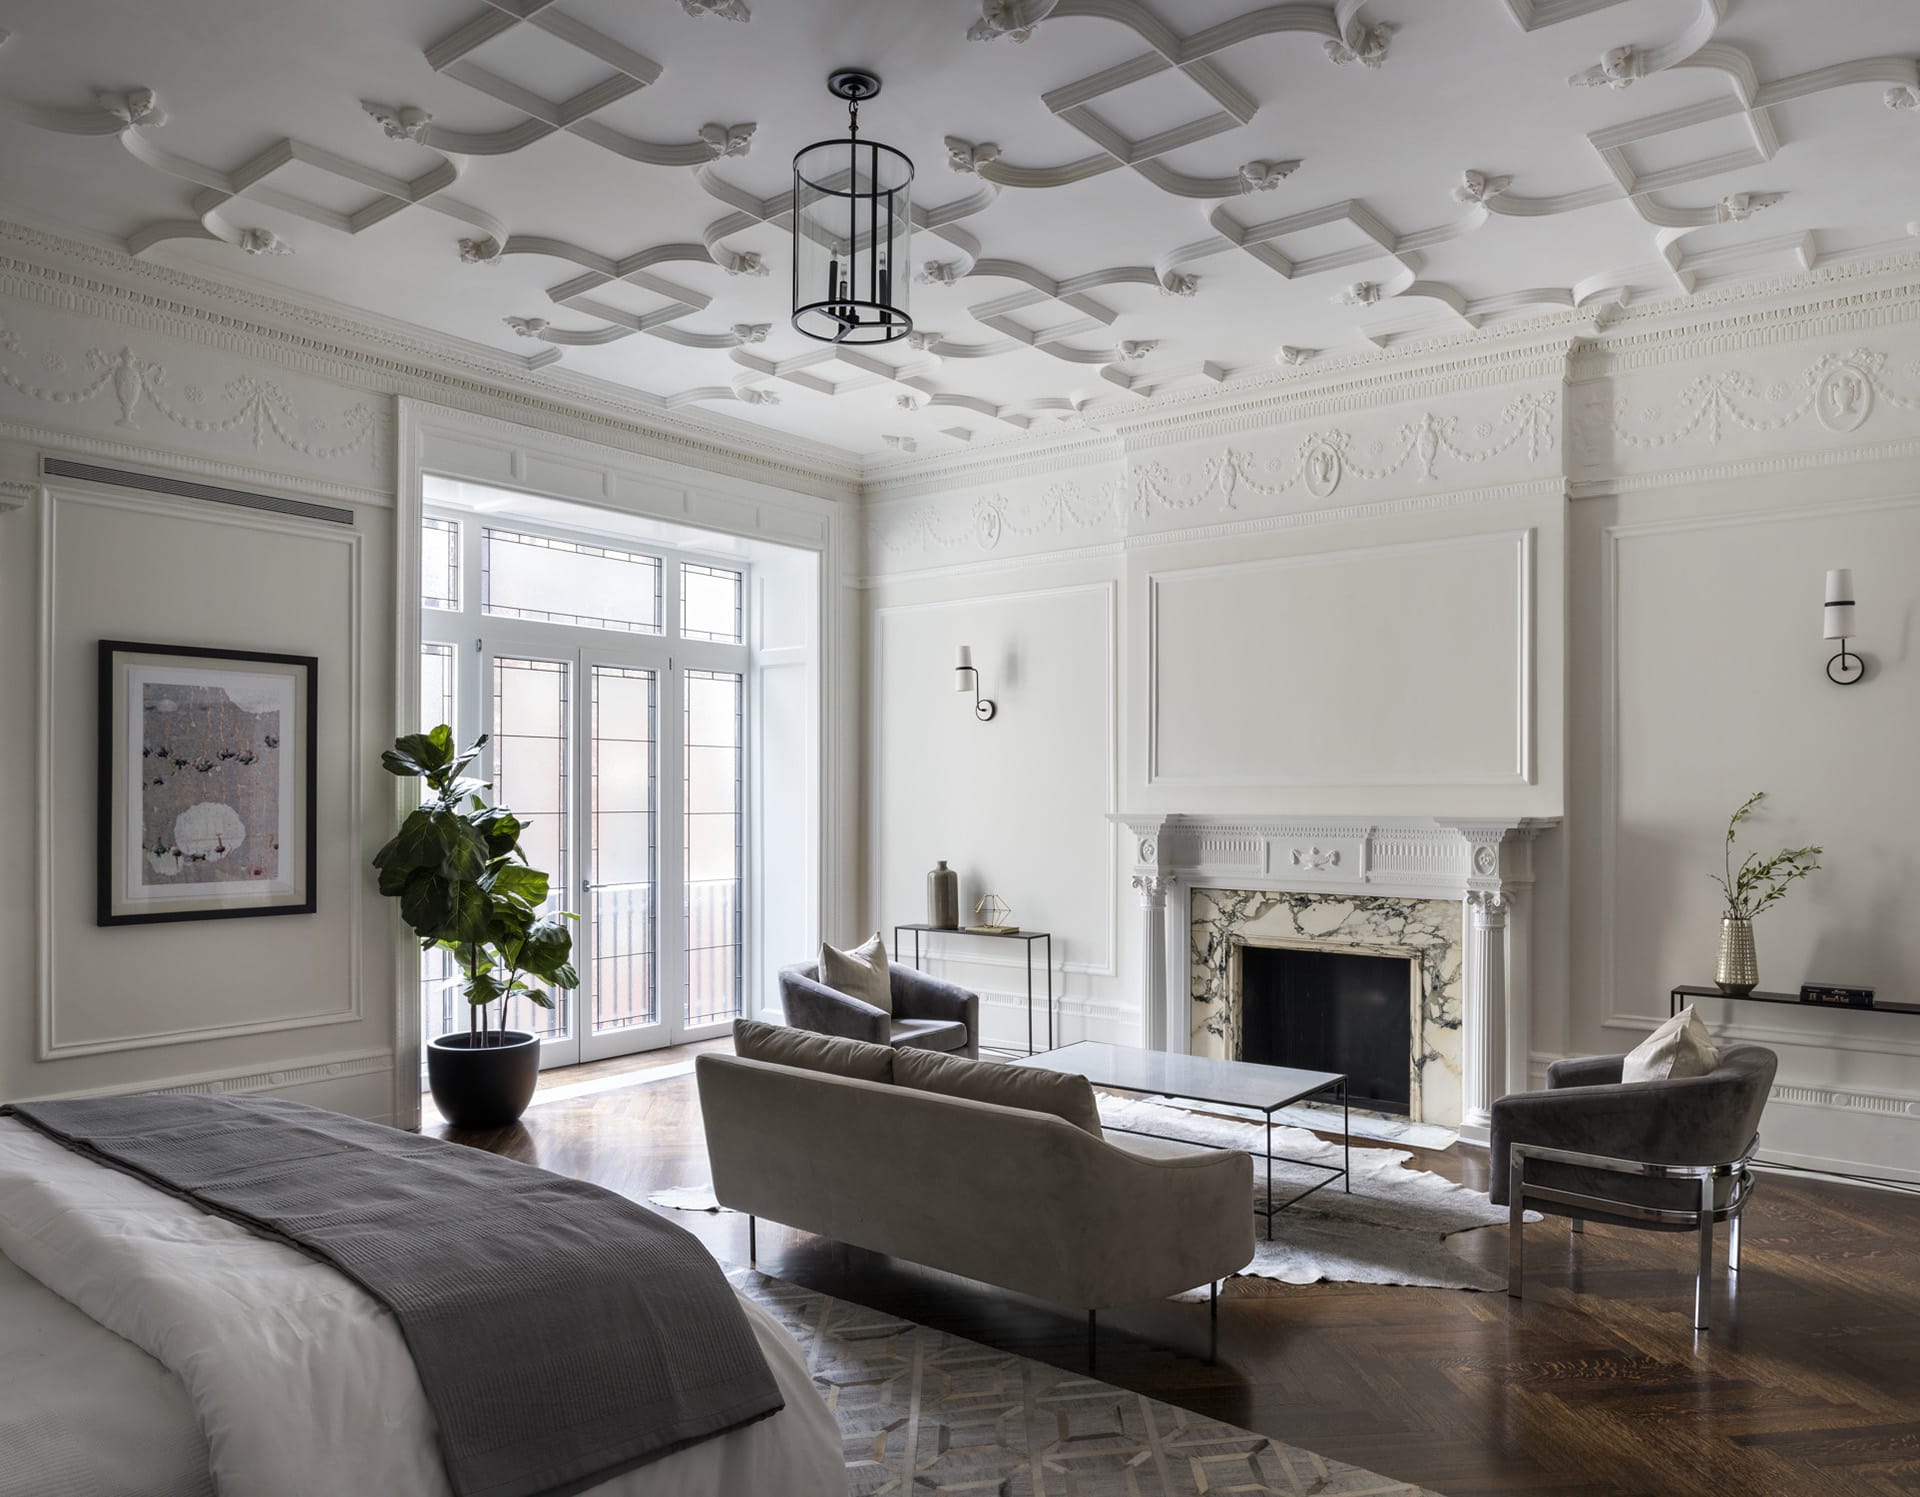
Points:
(1808, 1384)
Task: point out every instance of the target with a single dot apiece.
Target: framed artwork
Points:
(207, 783)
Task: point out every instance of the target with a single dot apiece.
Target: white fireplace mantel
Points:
(1486, 863)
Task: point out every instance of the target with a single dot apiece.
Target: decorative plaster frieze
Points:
(392, 358)
(255, 408)
(15, 493)
(1839, 390)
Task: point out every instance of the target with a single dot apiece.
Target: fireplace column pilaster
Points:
(1484, 970)
(1153, 959)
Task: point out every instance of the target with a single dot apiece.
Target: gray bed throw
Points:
(563, 1334)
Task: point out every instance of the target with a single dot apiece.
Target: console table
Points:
(1029, 936)
(1692, 990)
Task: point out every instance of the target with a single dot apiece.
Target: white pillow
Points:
(860, 973)
(1679, 1047)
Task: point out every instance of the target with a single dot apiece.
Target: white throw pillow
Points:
(860, 973)
(1679, 1047)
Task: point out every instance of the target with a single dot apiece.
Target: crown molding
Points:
(390, 357)
(1003, 462)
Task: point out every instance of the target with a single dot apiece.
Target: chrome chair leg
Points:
(1733, 1243)
(1516, 1226)
(753, 1241)
(1576, 1226)
(1703, 1279)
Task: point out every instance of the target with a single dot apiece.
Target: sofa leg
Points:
(1516, 1228)
(1703, 1278)
(1213, 1321)
(1090, 1327)
(753, 1242)
(1576, 1226)
(1733, 1243)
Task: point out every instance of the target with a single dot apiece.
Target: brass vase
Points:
(1737, 972)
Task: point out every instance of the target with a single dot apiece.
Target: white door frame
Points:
(580, 649)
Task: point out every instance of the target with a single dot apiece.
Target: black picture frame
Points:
(114, 905)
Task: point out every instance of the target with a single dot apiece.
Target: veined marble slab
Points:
(1427, 932)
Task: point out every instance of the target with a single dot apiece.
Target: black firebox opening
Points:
(1330, 1011)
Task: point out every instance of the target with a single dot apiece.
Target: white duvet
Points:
(300, 1382)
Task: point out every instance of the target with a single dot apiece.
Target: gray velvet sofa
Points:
(1668, 1156)
(1021, 1199)
(928, 1014)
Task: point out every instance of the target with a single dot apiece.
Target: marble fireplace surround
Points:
(1482, 867)
(1426, 933)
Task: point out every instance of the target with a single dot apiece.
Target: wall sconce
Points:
(966, 678)
(1845, 668)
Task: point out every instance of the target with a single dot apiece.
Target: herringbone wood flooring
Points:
(1808, 1384)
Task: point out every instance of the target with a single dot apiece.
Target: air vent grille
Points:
(186, 488)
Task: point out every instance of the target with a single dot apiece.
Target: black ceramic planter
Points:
(483, 1085)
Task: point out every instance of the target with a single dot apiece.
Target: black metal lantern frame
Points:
(852, 220)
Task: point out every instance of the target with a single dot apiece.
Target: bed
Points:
(147, 1346)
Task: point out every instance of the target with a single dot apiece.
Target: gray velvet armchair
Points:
(928, 1014)
(1670, 1156)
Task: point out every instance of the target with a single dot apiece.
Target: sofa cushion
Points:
(1678, 1048)
(1055, 1092)
(860, 973)
(781, 1046)
(927, 1034)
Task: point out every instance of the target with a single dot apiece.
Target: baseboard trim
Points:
(244, 1079)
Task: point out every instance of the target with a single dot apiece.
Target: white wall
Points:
(128, 364)
(1576, 580)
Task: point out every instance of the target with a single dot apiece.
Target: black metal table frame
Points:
(1029, 936)
(1342, 1171)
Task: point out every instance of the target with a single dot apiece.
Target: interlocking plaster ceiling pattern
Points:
(1114, 201)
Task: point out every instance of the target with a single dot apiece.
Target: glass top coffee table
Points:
(1198, 1078)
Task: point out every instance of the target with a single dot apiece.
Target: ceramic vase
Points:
(1738, 969)
(943, 897)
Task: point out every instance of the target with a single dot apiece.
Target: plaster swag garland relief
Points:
(1260, 472)
(1452, 895)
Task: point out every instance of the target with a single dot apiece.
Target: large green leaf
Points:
(519, 881)
(420, 753)
(547, 950)
(428, 903)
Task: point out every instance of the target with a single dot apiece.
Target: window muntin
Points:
(715, 820)
(439, 565)
(712, 603)
(624, 877)
(521, 574)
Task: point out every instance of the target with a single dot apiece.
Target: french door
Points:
(623, 753)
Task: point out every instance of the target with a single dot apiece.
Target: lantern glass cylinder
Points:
(852, 220)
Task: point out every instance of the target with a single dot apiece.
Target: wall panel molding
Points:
(1519, 770)
(1611, 540)
(1105, 964)
(52, 849)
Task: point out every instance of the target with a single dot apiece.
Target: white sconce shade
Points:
(1838, 613)
(966, 678)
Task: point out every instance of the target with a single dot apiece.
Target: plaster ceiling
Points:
(1115, 199)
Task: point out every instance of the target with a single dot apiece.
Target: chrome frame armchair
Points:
(1665, 1156)
(1700, 1218)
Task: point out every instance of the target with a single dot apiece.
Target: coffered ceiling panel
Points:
(1116, 200)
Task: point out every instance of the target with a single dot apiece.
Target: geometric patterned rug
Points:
(927, 1414)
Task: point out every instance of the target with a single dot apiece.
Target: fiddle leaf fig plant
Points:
(1759, 882)
(465, 886)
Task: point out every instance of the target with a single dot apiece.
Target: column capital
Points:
(1153, 888)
